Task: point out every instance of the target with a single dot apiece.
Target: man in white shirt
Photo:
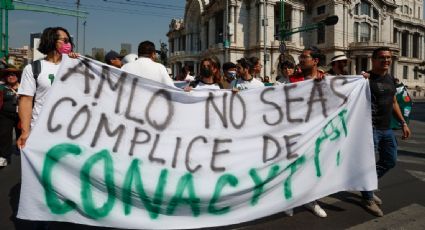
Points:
(245, 80)
(146, 67)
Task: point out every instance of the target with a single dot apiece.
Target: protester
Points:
(287, 69)
(309, 66)
(256, 68)
(338, 64)
(206, 79)
(114, 59)
(129, 58)
(245, 79)
(384, 105)
(145, 66)
(8, 113)
(229, 74)
(309, 63)
(215, 68)
(54, 42)
(185, 74)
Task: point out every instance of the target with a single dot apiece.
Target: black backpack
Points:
(36, 69)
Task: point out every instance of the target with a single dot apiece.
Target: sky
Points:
(109, 23)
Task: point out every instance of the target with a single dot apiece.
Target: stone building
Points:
(363, 26)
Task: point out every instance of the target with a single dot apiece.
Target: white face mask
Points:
(231, 75)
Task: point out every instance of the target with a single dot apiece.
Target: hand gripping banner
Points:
(117, 150)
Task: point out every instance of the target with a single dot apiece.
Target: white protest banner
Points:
(112, 149)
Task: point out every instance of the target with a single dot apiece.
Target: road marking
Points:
(411, 160)
(409, 217)
(418, 174)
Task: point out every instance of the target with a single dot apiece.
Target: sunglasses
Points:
(64, 40)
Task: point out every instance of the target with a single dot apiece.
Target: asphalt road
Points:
(402, 191)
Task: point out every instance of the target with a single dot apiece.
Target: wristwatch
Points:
(403, 123)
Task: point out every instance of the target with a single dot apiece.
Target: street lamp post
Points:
(329, 21)
(78, 22)
(84, 37)
(265, 24)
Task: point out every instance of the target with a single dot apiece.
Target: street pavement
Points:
(402, 190)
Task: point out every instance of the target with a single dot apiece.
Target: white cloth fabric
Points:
(242, 84)
(124, 158)
(44, 81)
(282, 80)
(149, 69)
(189, 78)
(202, 85)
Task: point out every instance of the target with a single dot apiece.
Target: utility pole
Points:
(226, 41)
(265, 24)
(84, 37)
(78, 22)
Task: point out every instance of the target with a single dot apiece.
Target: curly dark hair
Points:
(246, 63)
(49, 37)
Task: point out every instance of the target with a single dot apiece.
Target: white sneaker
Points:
(316, 209)
(3, 162)
(289, 212)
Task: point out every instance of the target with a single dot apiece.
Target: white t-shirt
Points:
(149, 69)
(44, 82)
(241, 84)
(202, 85)
(189, 78)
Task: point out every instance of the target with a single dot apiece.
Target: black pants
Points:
(8, 122)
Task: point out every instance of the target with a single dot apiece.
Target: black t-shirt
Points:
(382, 90)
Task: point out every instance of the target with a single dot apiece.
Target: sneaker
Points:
(377, 200)
(3, 162)
(373, 208)
(316, 209)
(289, 212)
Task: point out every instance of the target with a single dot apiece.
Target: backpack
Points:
(36, 69)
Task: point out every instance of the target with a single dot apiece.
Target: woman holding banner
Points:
(38, 77)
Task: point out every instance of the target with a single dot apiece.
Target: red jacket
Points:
(296, 77)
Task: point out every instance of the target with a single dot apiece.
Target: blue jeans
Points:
(386, 146)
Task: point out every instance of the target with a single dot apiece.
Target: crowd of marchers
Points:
(22, 94)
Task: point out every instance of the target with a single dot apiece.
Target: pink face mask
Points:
(66, 48)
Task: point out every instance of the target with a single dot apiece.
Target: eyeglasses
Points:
(384, 58)
(64, 40)
(304, 57)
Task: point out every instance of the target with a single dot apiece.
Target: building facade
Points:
(125, 48)
(252, 28)
(18, 57)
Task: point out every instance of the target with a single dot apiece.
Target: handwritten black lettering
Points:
(317, 86)
(84, 110)
(216, 152)
(103, 124)
(50, 128)
(170, 110)
(289, 100)
(276, 106)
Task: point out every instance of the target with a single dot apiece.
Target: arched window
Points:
(365, 8)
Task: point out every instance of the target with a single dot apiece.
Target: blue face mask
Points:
(231, 75)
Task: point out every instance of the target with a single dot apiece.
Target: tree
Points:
(99, 56)
(163, 54)
(123, 52)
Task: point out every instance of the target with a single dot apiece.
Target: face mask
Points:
(66, 48)
(231, 75)
(205, 72)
